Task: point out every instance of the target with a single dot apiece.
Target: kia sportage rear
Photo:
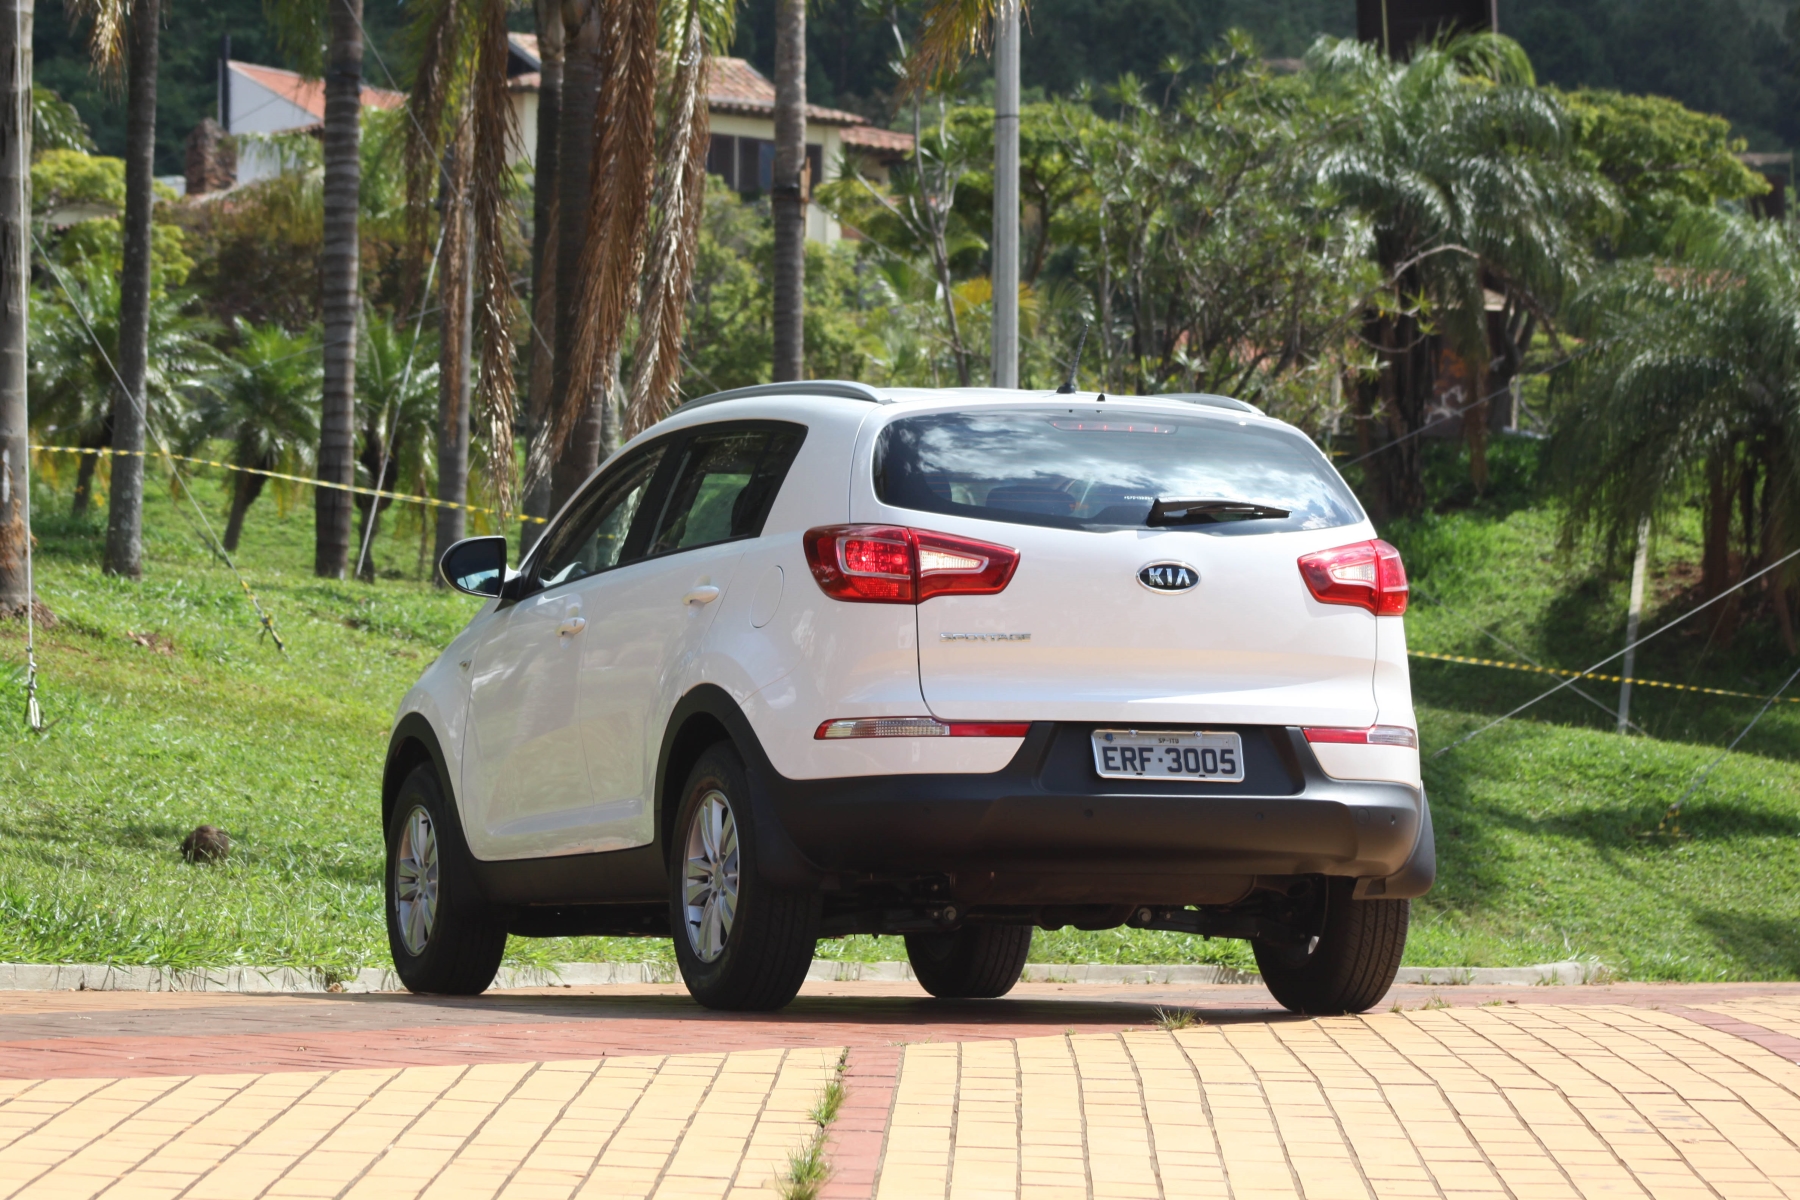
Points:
(817, 659)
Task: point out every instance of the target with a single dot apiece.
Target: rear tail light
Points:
(1367, 574)
(891, 564)
(1374, 735)
(878, 727)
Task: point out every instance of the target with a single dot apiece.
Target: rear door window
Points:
(1103, 468)
(725, 484)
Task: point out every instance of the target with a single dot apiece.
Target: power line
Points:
(1469, 624)
(1674, 812)
(205, 527)
(1618, 653)
(1439, 420)
(387, 440)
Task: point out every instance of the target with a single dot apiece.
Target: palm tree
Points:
(15, 229)
(679, 202)
(458, 149)
(397, 396)
(126, 34)
(788, 195)
(1689, 387)
(606, 173)
(72, 377)
(1467, 172)
(536, 499)
(263, 403)
(341, 280)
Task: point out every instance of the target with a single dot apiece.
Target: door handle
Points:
(571, 625)
(704, 594)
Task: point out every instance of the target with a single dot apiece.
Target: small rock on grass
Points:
(207, 844)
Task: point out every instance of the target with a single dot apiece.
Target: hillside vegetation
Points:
(170, 711)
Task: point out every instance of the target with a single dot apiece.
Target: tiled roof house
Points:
(741, 103)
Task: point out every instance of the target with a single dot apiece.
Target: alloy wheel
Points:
(416, 881)
(710, 876)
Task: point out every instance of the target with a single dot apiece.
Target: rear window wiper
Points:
(1168, 511)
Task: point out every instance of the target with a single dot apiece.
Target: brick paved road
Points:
(1062, 1090)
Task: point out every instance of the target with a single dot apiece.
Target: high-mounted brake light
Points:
(1374, 735)
(892, 564)
(1367, 574)
(881, 727)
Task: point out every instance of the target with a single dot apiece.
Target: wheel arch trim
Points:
(703, 713)
(412, 743)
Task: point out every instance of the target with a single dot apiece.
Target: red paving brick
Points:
(1783, 1044)
(860, 1131)
(120, 1034)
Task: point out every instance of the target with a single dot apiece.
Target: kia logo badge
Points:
(1169, 577)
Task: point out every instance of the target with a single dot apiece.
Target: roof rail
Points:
(838, 388)
(1210, 401)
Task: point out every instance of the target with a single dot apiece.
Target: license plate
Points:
(1136, 754)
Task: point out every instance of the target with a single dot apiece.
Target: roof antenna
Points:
(1068, 387)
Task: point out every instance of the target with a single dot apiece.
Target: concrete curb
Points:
(99, 977)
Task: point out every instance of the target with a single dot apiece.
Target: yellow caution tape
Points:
(1635, 682)
(341, 487)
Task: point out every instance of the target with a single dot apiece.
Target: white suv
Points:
(807, 660)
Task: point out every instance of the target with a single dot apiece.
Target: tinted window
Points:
(593, 539)
(1102, 468)
(725, 485)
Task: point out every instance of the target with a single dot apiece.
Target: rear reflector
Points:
(1374, 735)
(1366, 574)
(880, 727)
(892, 564)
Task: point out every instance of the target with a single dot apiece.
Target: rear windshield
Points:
(1103, 468)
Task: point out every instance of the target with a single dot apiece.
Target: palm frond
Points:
(622, 177)
(494, 136)
(950, 31)
(109, 24)
(680, 195)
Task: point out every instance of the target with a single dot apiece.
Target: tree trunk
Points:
(788, 196)
(15, 271)
(574, 160)
(458, 325)
(544, 210)
(243, 494)
(84, 483)
(1475, 427)
(1405, 390)
(1715, 550)
(131, 407)
(341, 277)
(371, 507)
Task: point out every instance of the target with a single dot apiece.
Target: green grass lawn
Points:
(171, 712)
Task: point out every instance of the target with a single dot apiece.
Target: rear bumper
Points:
(1047, 829)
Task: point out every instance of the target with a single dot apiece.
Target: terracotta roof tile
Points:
(877, 140)
(309, 94)
(733, 85)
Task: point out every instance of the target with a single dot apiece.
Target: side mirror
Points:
(476, 565)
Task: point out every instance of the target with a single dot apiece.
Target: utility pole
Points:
(1634, 610)
(1006, 194)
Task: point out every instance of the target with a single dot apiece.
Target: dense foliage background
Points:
(1735, 58)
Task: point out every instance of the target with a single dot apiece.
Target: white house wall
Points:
(256, 109)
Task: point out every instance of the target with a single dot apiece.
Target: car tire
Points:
(444, 936)
(743, 943)
(976, 962)
(1352, 963)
